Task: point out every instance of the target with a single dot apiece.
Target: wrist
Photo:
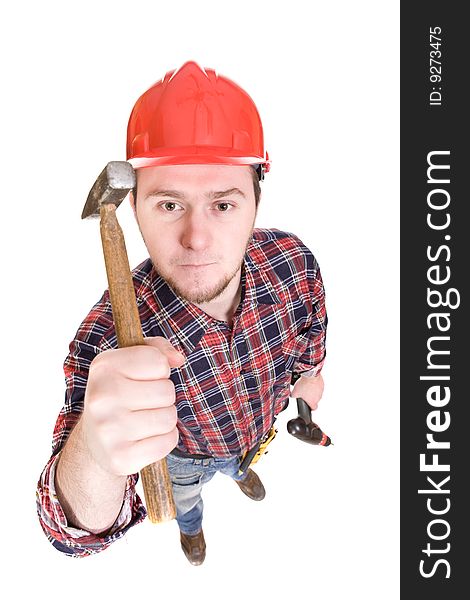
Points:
(311, 373)
(77, 457)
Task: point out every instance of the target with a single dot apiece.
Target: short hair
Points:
(255, 175)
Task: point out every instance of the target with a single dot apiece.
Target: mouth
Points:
(196, 266)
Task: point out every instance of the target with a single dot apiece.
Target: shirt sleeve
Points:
(93, 336)
(312, 338)
(78, 542)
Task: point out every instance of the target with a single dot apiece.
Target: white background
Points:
(324, 76)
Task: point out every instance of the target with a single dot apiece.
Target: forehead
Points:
(194, 176)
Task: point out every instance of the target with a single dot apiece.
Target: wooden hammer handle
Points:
(155, 478)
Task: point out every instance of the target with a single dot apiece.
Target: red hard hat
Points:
(195, 116)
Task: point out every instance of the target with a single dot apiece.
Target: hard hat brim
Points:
(196, 156)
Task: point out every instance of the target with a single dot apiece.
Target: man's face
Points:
(196, 221)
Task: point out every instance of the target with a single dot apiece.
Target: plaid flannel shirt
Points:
(235, 379)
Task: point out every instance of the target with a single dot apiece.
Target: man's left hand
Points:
(309, 389)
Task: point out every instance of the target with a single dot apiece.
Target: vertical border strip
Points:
(434, 299)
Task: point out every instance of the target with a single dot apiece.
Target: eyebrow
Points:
(210, 195)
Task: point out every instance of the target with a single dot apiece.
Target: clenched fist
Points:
(129, 417)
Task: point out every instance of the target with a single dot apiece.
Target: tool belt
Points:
(249, 458)
(252, 456)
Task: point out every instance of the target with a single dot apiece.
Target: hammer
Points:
(113, 184)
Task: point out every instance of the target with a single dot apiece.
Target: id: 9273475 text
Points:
(435, 66)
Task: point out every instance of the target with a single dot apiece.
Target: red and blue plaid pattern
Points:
(234, 381)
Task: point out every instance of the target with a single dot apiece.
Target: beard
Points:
(201, 295)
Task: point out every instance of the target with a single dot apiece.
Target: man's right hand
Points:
(129, 417)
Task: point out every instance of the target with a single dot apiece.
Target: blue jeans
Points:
(188, 475)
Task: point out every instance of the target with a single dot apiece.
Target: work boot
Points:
(194, 547)
(251, 486)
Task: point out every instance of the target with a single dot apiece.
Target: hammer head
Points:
(112, 186)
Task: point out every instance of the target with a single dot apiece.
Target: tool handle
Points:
(304, 410)
(155, 477)
(302, 427)
(247, 459)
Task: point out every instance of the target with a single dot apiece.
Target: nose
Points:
(196, 234)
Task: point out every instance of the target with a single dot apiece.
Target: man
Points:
(228, 313)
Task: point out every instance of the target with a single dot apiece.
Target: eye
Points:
(170, 206)
(224, 206)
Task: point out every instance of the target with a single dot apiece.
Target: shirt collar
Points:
(178, 317)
